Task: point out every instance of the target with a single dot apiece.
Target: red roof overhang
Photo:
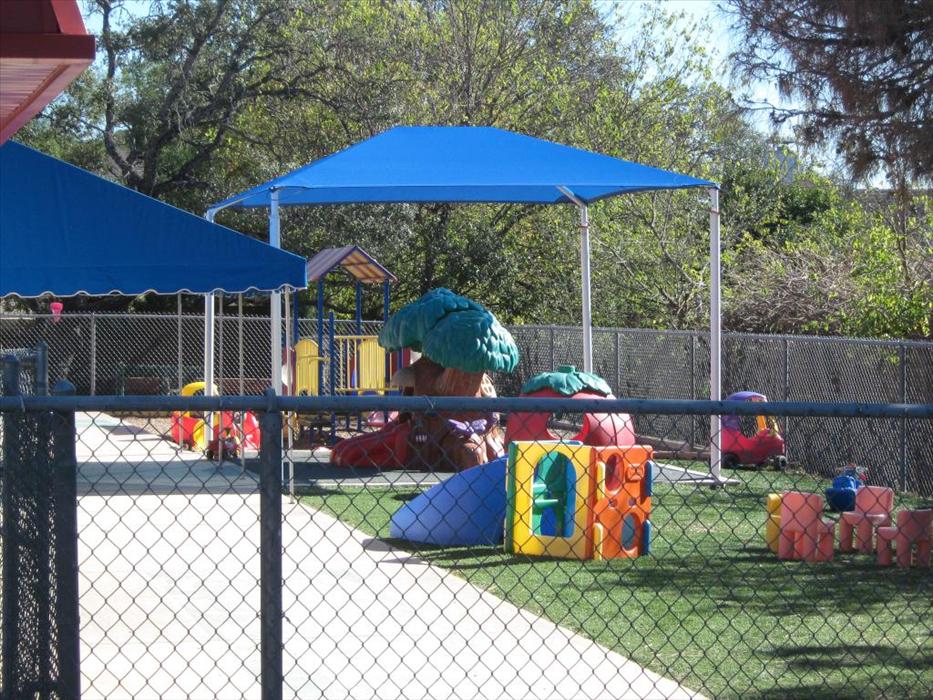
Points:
(43, 47)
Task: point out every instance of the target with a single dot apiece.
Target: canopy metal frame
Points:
(715, 323)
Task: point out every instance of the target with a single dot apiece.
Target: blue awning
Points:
(64, 231)
(459, 164)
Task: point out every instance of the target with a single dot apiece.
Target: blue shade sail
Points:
(459, 164)
(65, 231)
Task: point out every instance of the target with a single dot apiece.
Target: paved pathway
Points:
(170, 597)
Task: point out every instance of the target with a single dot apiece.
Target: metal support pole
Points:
(715, 333)
(209, 344)
(220, 343)
(42, 369)
(275, 241)
(331, 352)
(65, 496)
(585, 273)
(617, 351)
(270, 553)
(295, 330)
(239, 311)
(585, 267)
(209, 336)
(92, 364)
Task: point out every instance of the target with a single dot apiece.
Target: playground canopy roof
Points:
(359, 264)
(459, 164)
(64, 231)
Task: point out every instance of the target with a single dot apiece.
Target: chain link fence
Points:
(445, 558)
(159, 353)
(38, 588)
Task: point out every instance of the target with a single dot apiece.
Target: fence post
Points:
(270, 549)
(179, 343)
(10, 583)
(903, 360)
(65, 499)
(93, 359)
(618, 357)
(787, 397)
(42, 368)
(693, 387)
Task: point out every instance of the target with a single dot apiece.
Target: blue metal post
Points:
(332, 355)
(320, 335)
(357, 372)
(64, 485)
(270, 552)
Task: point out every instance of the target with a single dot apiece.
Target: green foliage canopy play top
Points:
(453, 331)
(567, 381)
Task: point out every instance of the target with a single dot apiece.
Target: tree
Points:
(170, 86)
(861, 72)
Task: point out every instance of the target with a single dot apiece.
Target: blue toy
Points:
(841, 495)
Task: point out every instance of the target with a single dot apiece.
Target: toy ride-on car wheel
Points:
(779, 462)
(730, 460)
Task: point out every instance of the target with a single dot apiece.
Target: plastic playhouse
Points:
(575, 501)
(756, 449)
(568, 382)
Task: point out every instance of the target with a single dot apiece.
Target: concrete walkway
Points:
(170, 599)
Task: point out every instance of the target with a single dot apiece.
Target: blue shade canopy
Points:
(459, 164)
(64, 231)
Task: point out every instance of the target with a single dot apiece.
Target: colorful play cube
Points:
(550, 496)
(621, 522)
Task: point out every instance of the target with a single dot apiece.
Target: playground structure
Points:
(588, 497)
(331, 363)
(461, 341)
(355, 363)
(232, 432)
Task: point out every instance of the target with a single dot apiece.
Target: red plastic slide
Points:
(386, 448)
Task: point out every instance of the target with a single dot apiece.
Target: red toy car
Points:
(754, 446)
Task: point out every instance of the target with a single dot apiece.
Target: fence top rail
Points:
(818, 339)
(303, 404)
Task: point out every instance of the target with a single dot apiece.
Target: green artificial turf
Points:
(712, 607)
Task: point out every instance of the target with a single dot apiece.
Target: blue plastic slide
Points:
(466, 509)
